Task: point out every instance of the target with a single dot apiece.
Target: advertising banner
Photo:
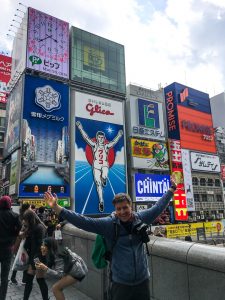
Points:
(13, 119)
(100, 170)
(180, 202)
(48, 44)
(5, 73)
(188, 179)
(196, 130)
(223, 172)
(182, 230)
(146, 119)
(149, 187)
(64, 202)
(205, 162)
(14, 173)
(149, 155)
(45, 139)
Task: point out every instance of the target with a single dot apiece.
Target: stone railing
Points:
(179, 270)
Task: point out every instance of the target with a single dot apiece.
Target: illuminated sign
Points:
(205, 162)
(94, 58)
(180, 203)
(38, 203)
(5, 73)
(149, 155)
(196, 130)
(148, 113)
(172, 115)
(150, 187)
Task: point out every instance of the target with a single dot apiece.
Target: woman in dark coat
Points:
(35, 232)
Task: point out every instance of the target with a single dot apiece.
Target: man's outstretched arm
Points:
(115, 140)
(84, 134)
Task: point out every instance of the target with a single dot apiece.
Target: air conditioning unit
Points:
(198, 217)
(194, 219)
(202, 217)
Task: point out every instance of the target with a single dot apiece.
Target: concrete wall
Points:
(179, 270)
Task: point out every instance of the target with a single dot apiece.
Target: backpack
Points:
(100, 254)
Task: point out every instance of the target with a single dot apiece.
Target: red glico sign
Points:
(180, 202)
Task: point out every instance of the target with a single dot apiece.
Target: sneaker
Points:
(23, 283)
(101, 206)
(14, 281)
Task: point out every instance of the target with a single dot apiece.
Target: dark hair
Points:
(52, 246)
(41, 209)
(31, 218)
(33, 206)
(188, 238)
(23, 208)
(100, 133)
(118, 198)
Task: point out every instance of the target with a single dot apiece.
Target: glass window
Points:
(219, 198)
(202, 181)
(2, 121)
(1, 137)
(204, 197)
(217, 182)
(196, 197)
(210, 182)
(195, 181)
(210, 198)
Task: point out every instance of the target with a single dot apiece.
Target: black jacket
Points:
(9, 228)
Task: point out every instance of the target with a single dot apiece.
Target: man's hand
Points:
(173, 184)
(78, 123)
(51, 200)
(120, 132)
(58, 226)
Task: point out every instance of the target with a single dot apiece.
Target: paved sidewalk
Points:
(15, 292)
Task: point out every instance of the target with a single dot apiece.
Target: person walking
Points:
(9, 228)
(129, 263)
(34, 231)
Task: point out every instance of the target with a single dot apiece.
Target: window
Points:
(2, 121)
(195, 181)
(210, 182)
(204, 197)
(196, 197)
(219, 198)
(1, 137)
(217, 182)
(202, 181)
(210, 198)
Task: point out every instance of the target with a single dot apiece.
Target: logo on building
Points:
(148, 113)
(184, 95)
(47, 98)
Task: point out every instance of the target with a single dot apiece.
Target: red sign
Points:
(5, 74)
(180, 202)
(223, 172)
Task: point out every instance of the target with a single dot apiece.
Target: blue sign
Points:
(45, 138)
(100, 170)
(148, 113)
(149, 187)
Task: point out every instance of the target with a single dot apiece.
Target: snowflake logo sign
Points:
(47, 98)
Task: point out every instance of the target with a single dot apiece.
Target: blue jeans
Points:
(5, 261)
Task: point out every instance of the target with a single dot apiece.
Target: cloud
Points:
(165, 41)
(80, 154)
(120, 157)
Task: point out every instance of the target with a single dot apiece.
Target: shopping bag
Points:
(58, 234)
(21, 261)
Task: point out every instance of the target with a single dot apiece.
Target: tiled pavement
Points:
(15, 292)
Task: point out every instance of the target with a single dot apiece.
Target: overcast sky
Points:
(165, 41)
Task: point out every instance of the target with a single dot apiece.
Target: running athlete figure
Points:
(100, 165)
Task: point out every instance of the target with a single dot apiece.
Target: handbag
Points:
(74, 265)
(58, 234)
(21, 261)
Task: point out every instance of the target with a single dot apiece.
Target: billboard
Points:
(180, 202)
(5, 74)
(205, 162)
(45, 138)
(149, 155)
(223, 172)
(188, 179)
(97, 61)
(14, 173)
(146, 119)
(149, 187)
(100, 170)
(196, 130)
(13, 117)
(47, 44)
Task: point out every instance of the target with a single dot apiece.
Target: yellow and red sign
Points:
(180, 202)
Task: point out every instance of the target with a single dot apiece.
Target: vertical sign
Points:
(99, 153)
(180, 204)
(223, 172)
(13, 117)
(45, 139)
(188, 179)
(13, 173)
(5, 73)
(48, 44)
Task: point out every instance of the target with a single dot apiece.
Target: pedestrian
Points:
(129, 263)
(55, 266)
(35, 232)
(9, 228)
(13, 279)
